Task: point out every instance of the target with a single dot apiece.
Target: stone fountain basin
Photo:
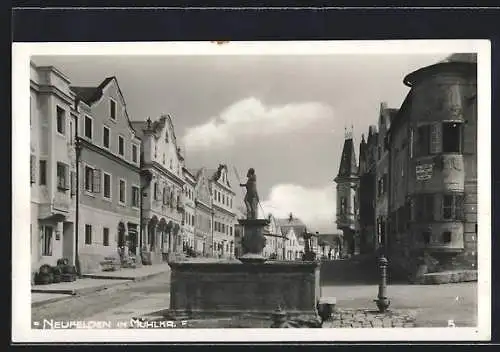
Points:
(236, 288)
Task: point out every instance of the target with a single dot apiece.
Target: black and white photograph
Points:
(231, 191)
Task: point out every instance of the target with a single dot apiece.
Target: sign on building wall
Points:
(424, 172)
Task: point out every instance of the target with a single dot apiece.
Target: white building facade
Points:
(52, 167)
(163, 201)
(224, 214)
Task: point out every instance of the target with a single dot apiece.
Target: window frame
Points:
(91, 119)
(104, 237)
(104, 174)
(47, 246)
(459, 137)
(110, 105)
(86, 242)
(65, 168)
(104, 127)
(120, 181)
(121, 138)
(60, 108)
(42, 181)
(133, 197)
(135, 155)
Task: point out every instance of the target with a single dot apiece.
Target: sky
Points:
(285, 116)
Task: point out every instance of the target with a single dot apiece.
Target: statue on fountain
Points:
(251, 198)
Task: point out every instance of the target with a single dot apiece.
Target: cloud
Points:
(314, 206)
(249, 118)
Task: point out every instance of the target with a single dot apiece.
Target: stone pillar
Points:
(253, 241)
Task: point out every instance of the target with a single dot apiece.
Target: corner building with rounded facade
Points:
(433, 165)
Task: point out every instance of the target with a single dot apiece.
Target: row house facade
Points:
(224, 216)
(189, 221)
(52, 166)
(275, 240)
(366, 191)
(108, 175)
(386, 115)
(203, 213)
(163, 197)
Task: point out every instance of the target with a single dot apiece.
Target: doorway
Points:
(68, 242)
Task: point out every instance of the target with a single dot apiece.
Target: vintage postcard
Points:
(251, 191)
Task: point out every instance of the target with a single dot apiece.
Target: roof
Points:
(348, 165)
(91, 94)
(465, 62)
(285, 224)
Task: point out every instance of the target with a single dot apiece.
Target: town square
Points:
(328, 191)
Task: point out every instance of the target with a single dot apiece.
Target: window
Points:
(452, 137)
(47, 240)
(446, 237)
(165, 195)
(134, 153)
(231, 202)
(62, 177)
(423, 140)
(32, 169)
(92, 180)
(343, 205)
(105, 137)
(112, 109)
(135, 196)
(88, 234)
(163, 159)
(155, 191)
(170, 164)
(107, 185)
(231, 230)
(426, 236)
(88, 127)
(452, 207)
(122, 191)
(105, 236)
(43, 172)
(223, 199)
(121, 146)
(72, 129)
(61, 120)
(73, 183)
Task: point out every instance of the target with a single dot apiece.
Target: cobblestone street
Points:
(419, 305)
(105, 304)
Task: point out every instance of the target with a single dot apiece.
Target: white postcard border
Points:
(21, 272)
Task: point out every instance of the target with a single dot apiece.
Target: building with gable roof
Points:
(224, 218)
(204, 215)
(275, 240)
(188, 222)
(163, 202)
(109, 175)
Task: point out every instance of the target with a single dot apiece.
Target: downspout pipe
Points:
(77, 193)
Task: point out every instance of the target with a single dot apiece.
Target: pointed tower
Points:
(347, 181)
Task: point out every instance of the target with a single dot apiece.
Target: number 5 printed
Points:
(451, 323)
